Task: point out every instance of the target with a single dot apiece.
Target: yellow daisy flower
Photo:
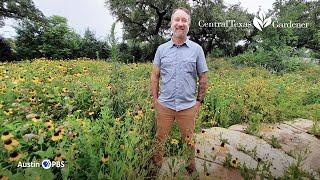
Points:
(174, 141)
(33, 99)
(109, 86)
(137, 117)
(36, 119)
(35, 80)
(10, 144)
(234, 162)
(8, 112)
(65, 90)
(6, 136)
(19, 99)
(91, 113)
(50, 78)
(105, 158)
(21, 79)
(33, 91)
(15, 156)
(140, 113)
(49, 124)
(57, 136)
(58, 157)
(121, 146)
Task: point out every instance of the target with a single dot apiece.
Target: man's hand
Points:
(155, 103)
(198, 106)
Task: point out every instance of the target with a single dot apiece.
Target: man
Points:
(177, 64)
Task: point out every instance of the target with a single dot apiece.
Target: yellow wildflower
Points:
(57, 136)
(121, 146)
(6, 136)
(35, 80)
(8, 112)
(15, 156)
(36, 119)
(58, 157)
(105, 158)
(91, 113)
(50, 78)
(174, 141)
(10, 144)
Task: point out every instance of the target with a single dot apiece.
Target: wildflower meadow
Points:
(98, 117)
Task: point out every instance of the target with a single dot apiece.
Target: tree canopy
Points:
(19, 9)
(149, 21)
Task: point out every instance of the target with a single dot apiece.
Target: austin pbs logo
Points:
(262, 21)
(47, 164)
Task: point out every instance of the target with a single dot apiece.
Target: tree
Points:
(53, 39)
(300, 11)
(145, 20)
(28, 39)
(6, 53)
(89, 45)
(148, 21)
(281, 49)
(92, 48)
(223, 38)
(19, 9)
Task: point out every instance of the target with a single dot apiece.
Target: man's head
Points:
(180, 22)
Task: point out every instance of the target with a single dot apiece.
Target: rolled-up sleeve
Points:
(201, 61)
(156, 60)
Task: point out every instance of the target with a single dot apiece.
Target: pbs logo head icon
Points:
(46, 164)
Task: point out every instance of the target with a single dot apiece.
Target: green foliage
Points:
(276, 60)
(58, 40)
(295, 170)
(215, 53)
(6, 52)
(92, 48)
(105, 116)
(274, 142)
(300, 11)
(145, 20)
(115, 54)
(284, 49)
(19, 9)
(149, 22)
(255, 95)
(227, 162)
(55, 40)
(222, 38)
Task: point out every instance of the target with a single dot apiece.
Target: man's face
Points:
(180, 23)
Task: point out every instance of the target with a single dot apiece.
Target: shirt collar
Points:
(187, 43)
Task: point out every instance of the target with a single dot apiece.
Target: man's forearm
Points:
(154, 87)
(203, 85)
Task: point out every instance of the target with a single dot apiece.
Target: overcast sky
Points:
(94, 14)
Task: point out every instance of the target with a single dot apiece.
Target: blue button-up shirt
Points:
(179, 68)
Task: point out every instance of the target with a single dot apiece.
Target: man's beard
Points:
(181, 35)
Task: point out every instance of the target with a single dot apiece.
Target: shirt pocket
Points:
(166, 62)
(190, 66)
(167, 69)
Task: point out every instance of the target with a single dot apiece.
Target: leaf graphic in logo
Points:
(256, 23)
(262, 22)
(262, 15)
(267, 22)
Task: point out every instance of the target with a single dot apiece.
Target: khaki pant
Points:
(165, 118)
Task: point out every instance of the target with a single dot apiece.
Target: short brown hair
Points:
(184, 10)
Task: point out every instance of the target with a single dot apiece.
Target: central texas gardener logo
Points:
(262, 21)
